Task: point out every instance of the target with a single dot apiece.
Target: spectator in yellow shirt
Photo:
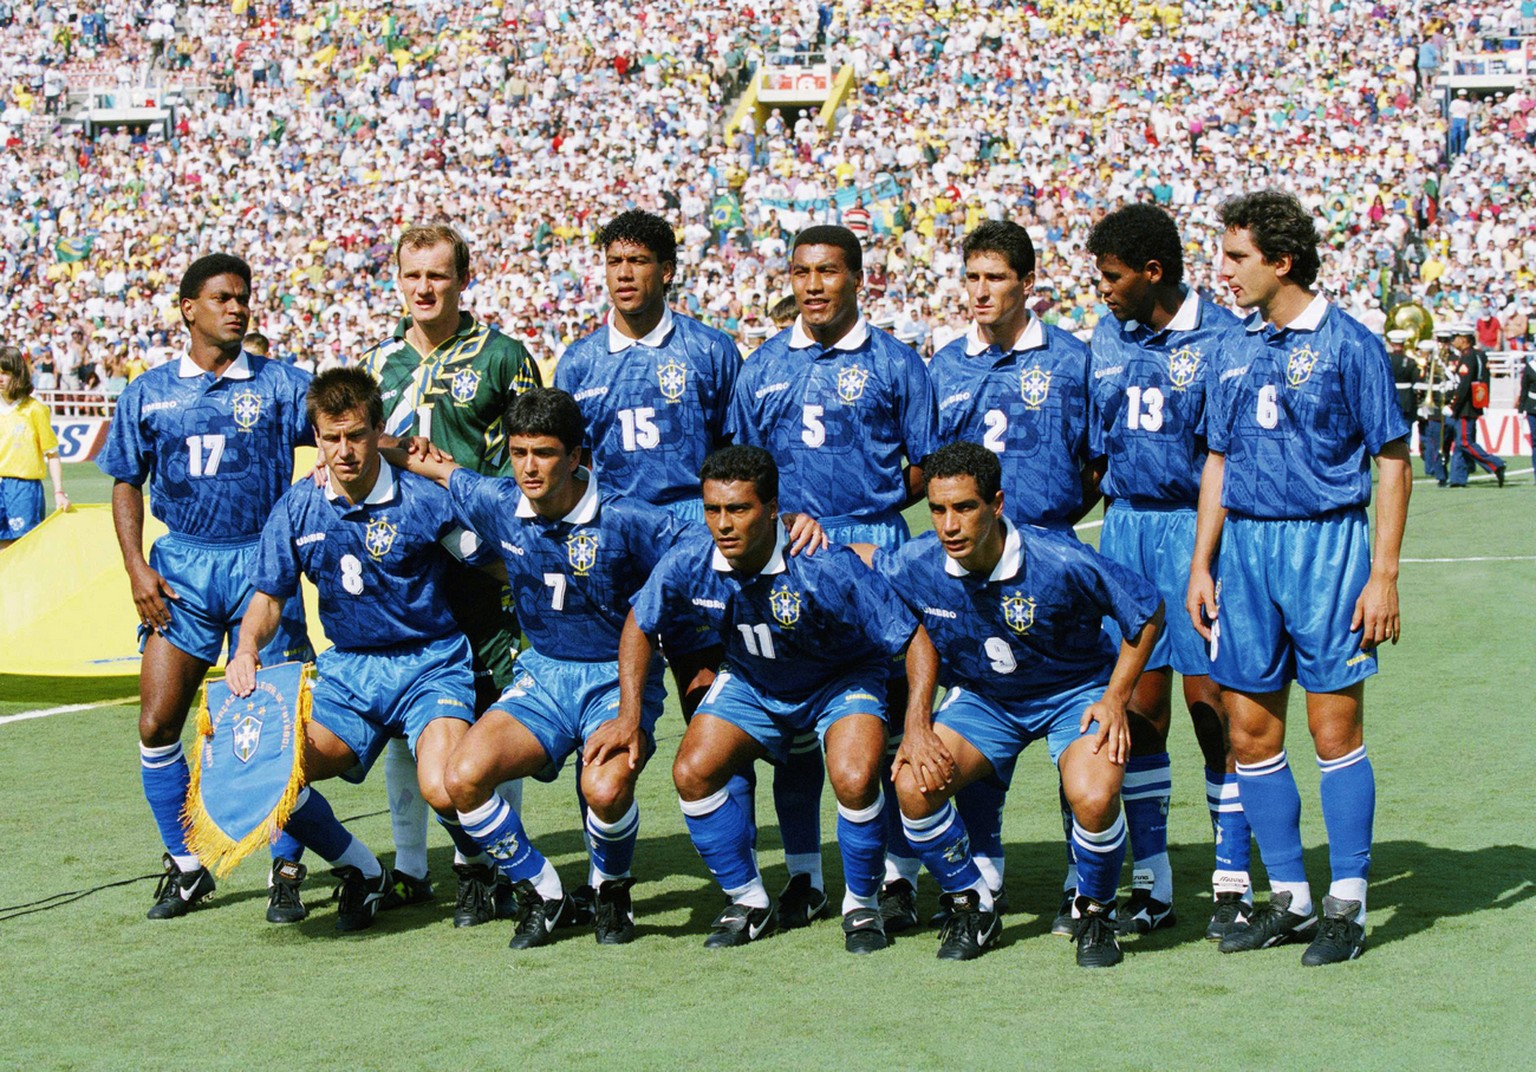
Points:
(26, 441)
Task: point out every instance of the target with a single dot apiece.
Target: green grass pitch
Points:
(1446, 980)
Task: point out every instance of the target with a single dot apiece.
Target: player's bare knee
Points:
(855, 780)
(159, 728)
(694, 777)
(464, 782)
(609, 793)
(1335, 742)
(1094, 804)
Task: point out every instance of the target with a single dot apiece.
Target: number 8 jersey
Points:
(217, 451)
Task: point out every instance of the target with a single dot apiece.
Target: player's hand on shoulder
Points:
(932, 765)
(613, 739)
(150, 591)
(1376, 613)
(240, 674)
(805, 534)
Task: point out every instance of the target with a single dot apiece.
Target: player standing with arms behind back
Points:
(1292, 425)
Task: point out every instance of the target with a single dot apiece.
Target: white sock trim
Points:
(927, 829)
(1099, 840)
(617, 829)
(864, 815)
(1347, 760)
(697, 809)
(485, 815)
(160, 756)
(1271, 765)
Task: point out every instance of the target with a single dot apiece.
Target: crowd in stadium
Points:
(325, 128)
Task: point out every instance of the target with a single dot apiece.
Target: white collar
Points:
(581, 514)
(1309, 319)
(1186, 319)
(1032, 338)
(239, 368)
(1007, 566)
(799, 340)
(775, 561)
(382, 491)
(618, 342)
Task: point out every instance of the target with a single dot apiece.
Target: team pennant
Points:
(247, 767)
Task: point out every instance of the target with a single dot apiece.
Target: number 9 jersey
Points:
(217, 451)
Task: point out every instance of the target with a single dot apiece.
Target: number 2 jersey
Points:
(217, 451)
(1299, 414)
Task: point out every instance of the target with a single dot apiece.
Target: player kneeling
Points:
(1012, 626)
(807, 644)
(372, 542)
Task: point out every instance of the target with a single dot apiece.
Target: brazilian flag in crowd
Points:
(71, 250)
(725, 213)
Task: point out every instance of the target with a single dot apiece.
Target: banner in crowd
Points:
(79, 437)
(1502, 431)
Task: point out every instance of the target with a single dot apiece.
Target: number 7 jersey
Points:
(217, 451)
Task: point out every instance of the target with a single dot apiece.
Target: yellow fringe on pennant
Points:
(217, 851)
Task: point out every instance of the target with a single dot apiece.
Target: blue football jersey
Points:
(838, 420)
(655, 407)
(789, 630)
(1146, 400)
(1034, 627)
(378, 564)
(1030, 407)
(217, 452)
(572, 579)
(1300, 412)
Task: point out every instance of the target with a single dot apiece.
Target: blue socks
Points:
(463, 843)
(315, 825)
(1269, 797)
(722, 836)
(498, 831)
(946, 850)
(287, 847)
(1145, 795)
(1099, 856)
(797, 800)
(1233, 837)
(166, 780)
(980, 805)
(861, 835)
(1348, 789)
(613, 844)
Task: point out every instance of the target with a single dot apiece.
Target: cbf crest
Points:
(673, 378)
(581, 552)
(245, 406)
(785, 605)
(248, 733)
(1183, 366)
(1019, 613)
(464, 385)
(1035, 386)
(1298, 369)
(379, 537)
(851, 382)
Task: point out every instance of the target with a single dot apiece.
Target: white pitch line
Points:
(1087, 525)
(1480, 478)
(1476, 558)
(65, 710)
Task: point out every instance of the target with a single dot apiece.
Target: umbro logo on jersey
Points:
(155, 406)
(955, 399)
(309, 538)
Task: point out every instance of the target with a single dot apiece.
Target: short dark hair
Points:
(257, 343)
(643, 229)
(546, 411)
(425, 236)
(1137, 234)
(1004, 237)
(206, 268)
(12, 360)
(783, 310)
(741, 462)
(1280, 226)
(341, 390)
(961, 458)
(829, 234)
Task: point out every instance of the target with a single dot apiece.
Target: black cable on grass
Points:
(58, 900)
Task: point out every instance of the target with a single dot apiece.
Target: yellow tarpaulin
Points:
(65, 607)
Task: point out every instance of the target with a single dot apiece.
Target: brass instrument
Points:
(1412, 318)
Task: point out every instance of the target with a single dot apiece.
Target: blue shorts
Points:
(562, 702)
(1001, 733)
(686, 509)
(775, 724)
(209, 580)
(367, 697)
(886, 530)
(1285, 594)
(1158, 544)
(21, 506)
